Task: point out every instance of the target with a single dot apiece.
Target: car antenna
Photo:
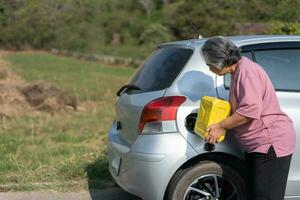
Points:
(193, 26)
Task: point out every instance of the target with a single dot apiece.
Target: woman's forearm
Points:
(234, 120)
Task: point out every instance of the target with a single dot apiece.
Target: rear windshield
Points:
(161, 69)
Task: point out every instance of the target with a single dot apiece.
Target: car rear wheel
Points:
(207, 180)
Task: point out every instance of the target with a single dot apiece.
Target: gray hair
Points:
(220, 52)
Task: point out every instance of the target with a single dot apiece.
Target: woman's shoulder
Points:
(246, 65)
(244, 62)
(249, 68)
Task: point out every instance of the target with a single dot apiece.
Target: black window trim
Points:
(269, 46)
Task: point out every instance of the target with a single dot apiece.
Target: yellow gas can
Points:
(212, 110)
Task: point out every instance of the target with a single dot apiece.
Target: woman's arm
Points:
(216, 130)
(233, 121)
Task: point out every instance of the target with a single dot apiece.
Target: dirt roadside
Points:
(115, 193)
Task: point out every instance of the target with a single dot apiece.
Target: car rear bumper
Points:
(146, 167)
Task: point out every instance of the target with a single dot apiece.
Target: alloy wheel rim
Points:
(211, 187)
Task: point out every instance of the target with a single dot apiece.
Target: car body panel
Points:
(149, 161)
(129, 109)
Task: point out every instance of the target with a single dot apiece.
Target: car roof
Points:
(245, 39)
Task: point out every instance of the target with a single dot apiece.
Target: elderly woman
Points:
(262, 128)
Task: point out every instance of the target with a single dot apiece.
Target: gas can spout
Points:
(209, 147)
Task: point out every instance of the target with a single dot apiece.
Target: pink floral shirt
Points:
(252, 95)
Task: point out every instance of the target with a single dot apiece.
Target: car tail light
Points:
(159, 115)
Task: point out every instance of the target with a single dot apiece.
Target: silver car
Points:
(153, 150)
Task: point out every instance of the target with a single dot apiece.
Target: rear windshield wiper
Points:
(127, 87)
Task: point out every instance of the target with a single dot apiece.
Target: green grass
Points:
(87, 80)
(66, 150)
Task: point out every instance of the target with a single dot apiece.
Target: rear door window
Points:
(161, 69)
(282, 66)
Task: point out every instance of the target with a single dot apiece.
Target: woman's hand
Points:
(214, 133)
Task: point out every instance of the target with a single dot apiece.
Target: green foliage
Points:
(42, 23)
(90, 25)
(155, 34)
(285, 28)
(258, 10)
(286, 11)
(205, 17)
(233, 17)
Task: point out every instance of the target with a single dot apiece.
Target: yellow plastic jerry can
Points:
(212, 110)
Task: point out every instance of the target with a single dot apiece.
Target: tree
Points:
(155, 34)
(207, 17)
(285, 28)
(148, 6)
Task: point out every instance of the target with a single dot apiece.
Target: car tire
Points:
(181, 185)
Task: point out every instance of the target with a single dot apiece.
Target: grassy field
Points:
(67, 150)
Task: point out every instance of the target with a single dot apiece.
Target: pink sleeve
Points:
(249, 94)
